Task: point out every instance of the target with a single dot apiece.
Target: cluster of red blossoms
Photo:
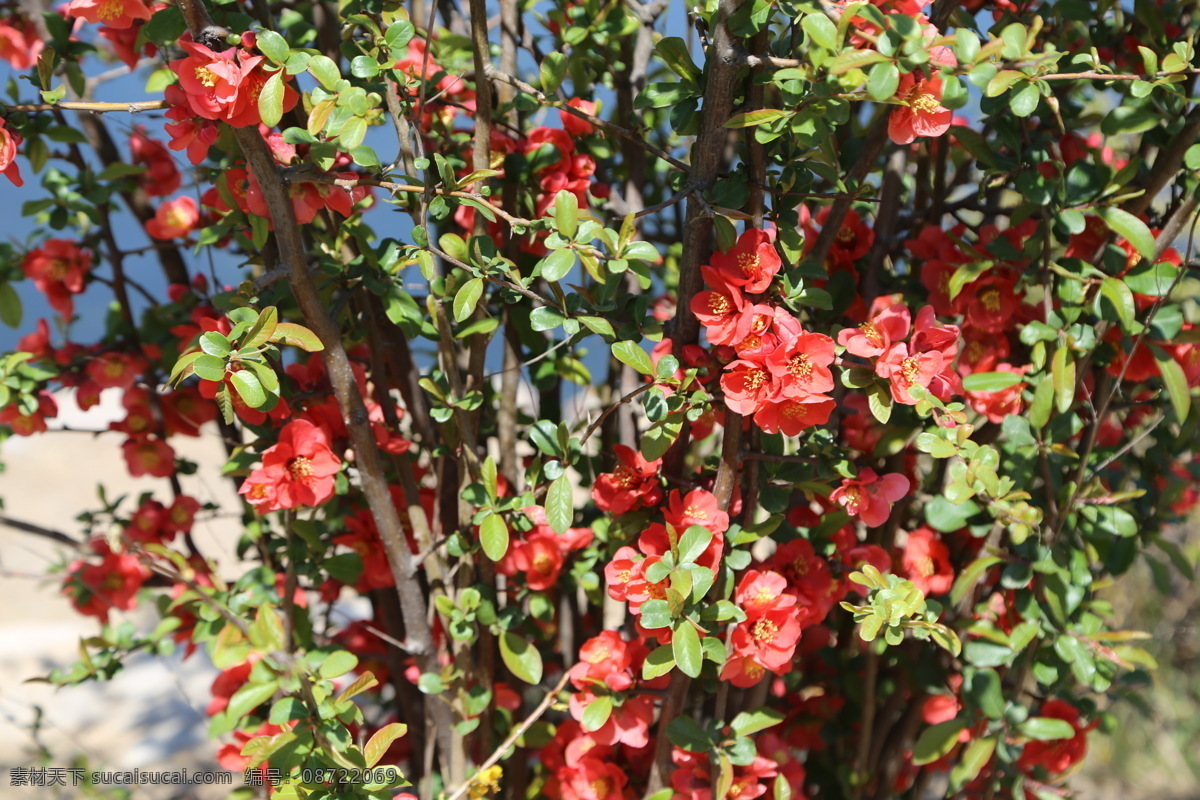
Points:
(775, 371)
(919, 111)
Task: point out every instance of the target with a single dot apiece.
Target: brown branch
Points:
(372, 476)
(38, 530)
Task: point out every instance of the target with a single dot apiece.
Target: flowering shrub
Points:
(762, 427)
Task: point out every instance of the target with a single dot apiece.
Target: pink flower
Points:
(870, 497)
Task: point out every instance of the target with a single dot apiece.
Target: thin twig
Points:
(134, 107)
(517, 733)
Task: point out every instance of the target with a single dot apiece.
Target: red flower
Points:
(904, 371)
(990, 301)
(718, 308)
(761, 592)
(1058, 755)
(20, 45)
(188, 132)
(790, 416)
(926, 562)
(224, 85)
(146, 525)
(297, 471)
(747, 386)
(112, 583)
(573, 124)
(800, 365)
(751, 264)
(921, 112)
(1002, 403)
(633, 484)
(874, 337)
(538, 559)
(181, 515)
(698, 507)
(769, 640)
(362, 537)
(604, 660)
(125, 45)
(161, 177)
(113, 13)
(149, 455)
(870, 497)
(57, 269)
(174, 219)
(28, 424)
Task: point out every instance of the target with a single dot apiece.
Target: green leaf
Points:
(325, 71)
(467, 298)
(521, 657)
(685, 645)
(685, 732)
(883, 81)
(879, 400)
(553, 71)
(273, 46)
(382, 739)
(560, 507)
(352, 133)
(545, 318)
(674, 53)
(751, 722)
(566, 214)
(263, 329)
(631, 354)
(759, 116)
(493, 536)
(1045, 729)
(364, 67)
(10, 306)
(215, 344)
(1121, 297)
(209, 367)
(555, 266)
(1154, 280)
(599, 325)
(1025, 100)
(270, 100)
(248, 698)
(1175, 381)
(821, 30)
(974, 758)
(248, 387)
(596, 714)
(337, 664)
(1131, 228)
(1043, 400)
(660, 661)
(936, 741)
(693, 543)
(297, 336)
(967, 578)
(1062, 376)
(990, 381)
